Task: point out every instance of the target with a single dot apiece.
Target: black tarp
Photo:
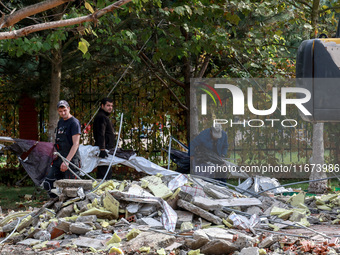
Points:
(36, 157)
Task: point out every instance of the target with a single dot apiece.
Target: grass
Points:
(20, 198)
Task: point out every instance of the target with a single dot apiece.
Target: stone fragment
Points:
(65, 212)
(250, 251)
(74, 183)
(183, 216)
(254, 210)
(79, 228)
(173, 246)
(147, 209)
(133, 207)
(221, 214)
(82, 205)
(64, 225)
(199, 239)
(111, 204)
(185, 196)
(54, 244)
(10, 226)
(267, 242)
(151, 222)
(207, 203)
(139, 191)
(200, 212)
(218, 247)
(91, 196)
(70, 192)
(52, 225)
(152, 240)
(29, 242)
(42, 235)
(218, 233)
(87, 219)
(88, 242)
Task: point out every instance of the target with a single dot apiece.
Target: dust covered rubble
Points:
(155, 216)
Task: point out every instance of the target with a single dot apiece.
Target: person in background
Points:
(103, 133)
(66, 143)
(213, 139)
(209, 148)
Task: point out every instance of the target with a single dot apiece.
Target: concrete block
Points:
(80, 228)
(72, 183)
(200, 212)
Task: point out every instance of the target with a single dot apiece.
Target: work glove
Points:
(103, 154)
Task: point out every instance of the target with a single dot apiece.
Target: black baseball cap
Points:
(62, 103)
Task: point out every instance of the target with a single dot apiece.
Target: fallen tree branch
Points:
(61, 23)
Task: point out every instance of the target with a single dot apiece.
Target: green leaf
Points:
(83, 45)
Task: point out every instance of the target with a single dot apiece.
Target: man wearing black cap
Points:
(67, 143)
(103, 133)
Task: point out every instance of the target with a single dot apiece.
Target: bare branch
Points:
(23, 13)
(163, 71)
(165, 84)
(179, 83)
(204, 66)
(61, 23)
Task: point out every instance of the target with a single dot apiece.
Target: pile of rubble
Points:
(170, 215)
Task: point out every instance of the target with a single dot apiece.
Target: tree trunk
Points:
(317, 160)
(54, 93)
(318, 144)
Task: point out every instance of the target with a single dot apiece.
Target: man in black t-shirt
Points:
(104, 135)
(67, 143)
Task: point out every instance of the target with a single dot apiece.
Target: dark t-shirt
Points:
(70, 126)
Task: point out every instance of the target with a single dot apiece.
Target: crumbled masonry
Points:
(150, 216)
